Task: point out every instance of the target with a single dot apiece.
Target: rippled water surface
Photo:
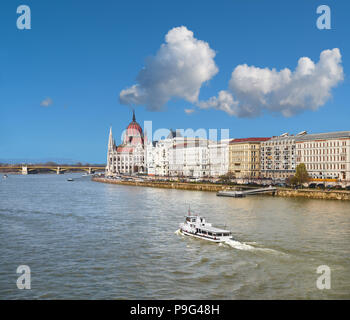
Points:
(88, 240)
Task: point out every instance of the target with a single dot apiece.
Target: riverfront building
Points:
(218, 158)
(129, 157)
(278, 157)
(157, 154)
(325, 155)
(244, 157)
(189, 158)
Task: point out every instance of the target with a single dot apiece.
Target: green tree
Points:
(291, 181)
(301, 174)
(226, 178)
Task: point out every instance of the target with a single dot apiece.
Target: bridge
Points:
(27, 169)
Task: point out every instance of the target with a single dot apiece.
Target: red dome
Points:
(134, 129)
(133, 133)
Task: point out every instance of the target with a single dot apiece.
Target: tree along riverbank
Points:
(281, 192)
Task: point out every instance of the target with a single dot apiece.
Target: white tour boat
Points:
(197, 227)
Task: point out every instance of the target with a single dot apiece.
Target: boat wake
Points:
(238, 245)
(241, 245)
(244, 246)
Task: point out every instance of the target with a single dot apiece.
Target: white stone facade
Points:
(325, 155)
(149, 158)
(189, 158)
(218, 158)
(157, 160)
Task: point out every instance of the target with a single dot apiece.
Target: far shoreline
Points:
(281, 191)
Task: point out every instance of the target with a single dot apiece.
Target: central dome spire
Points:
(133, 133)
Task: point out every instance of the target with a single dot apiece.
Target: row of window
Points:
(321, 144)
(328, 166)
(321, 158)
(321, 151)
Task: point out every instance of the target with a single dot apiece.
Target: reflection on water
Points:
(98, 241)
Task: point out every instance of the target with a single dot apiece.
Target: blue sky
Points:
(81, 54)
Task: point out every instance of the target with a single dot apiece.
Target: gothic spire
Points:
(133, 115)
(110, 139)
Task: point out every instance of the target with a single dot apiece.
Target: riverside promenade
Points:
(280, 192)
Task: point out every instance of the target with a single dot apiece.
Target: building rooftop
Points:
(247, 140)
(283, 138)
(324, 136)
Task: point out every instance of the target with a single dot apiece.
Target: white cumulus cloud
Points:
(253, 90)
(178, 70)
(224, 102)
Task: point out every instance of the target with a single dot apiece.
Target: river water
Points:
(88, 240)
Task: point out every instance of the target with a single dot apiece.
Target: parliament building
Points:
(129, 157)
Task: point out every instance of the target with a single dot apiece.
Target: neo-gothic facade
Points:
(129, 157)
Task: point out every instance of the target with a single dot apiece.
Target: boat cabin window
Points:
(210, 234)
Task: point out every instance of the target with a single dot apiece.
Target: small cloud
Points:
(224, 102)
(189, 111)
(46, 102)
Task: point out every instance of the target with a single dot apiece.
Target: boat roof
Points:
(206, 227)
(213, 229)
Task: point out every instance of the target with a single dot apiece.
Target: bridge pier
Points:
(58, 171)
(24, 170)
(90, 170)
